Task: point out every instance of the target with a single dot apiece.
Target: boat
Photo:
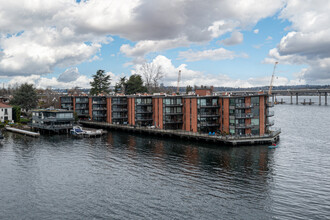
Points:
(272, 146)
(77, 131)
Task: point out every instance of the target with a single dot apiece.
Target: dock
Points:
(20, 131)
(223, 139)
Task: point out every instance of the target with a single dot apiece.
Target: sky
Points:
(232, 43)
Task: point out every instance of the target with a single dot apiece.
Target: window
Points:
(255, 100)
(255, 121)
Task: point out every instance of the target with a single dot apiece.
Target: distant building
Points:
(204, 91)
(57, 120)
(6, 112)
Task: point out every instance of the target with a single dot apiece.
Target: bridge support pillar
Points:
(296, 98)
(326, 98)
(320, 99)
(291, 99)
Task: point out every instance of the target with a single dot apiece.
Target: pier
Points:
(20, 131)
(223, 139)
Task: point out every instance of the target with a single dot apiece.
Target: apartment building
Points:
(226, 114)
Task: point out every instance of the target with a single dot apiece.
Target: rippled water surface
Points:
(141, 177)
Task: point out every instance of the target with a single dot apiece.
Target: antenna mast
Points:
(178, 84)
(272, 80)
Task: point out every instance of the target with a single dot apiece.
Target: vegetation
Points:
(25, 97)
(135, 85)
(100, 84)
(16, 113)
(152, 74)
(121, 85)
(189, 89)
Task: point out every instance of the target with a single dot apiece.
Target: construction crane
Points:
(272, 80)
(178, 84)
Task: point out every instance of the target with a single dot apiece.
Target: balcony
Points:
(269, 123)
(99, 115)
(244, 105)
(270, 113)
(119, 103)
(244, 115)
(143, 119)
(208, 115)
(144, 112)
(66, 101)
(270, 104)
(82, 101)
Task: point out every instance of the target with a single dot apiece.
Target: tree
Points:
(152, 74)
(16, 113)
(135, 85)
(188, 89)
(100, 84)
(25, 97)
(121, 85)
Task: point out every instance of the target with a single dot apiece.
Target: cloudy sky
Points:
(235, 43)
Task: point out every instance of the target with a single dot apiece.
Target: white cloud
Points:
(216, 54)
(69, 75)
(256, 31)
(235, 38)
(192, 77)
(308, 43)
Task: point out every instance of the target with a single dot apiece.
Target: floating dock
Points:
(228, 140)
(20, 131)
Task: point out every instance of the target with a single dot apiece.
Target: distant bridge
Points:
(294, 92)
(297, 92)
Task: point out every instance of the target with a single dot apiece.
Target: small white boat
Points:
(77, 131)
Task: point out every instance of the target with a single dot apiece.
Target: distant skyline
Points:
(231, 43)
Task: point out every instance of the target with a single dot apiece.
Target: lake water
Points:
(122, 175)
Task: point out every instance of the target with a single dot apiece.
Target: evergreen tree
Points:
(100, 84)
(25, 97)
(135, 85)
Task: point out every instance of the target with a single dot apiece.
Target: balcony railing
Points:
(100, 102)
(209, 106)
(99, 108)
(208, 115)
(173, 121)
(244, 115)
(82, 101)
(243, 126)
(120, 110)
(66, 101)
(209, 124)
(270, 113)
(244, 105)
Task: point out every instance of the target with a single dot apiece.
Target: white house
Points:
(6, 112)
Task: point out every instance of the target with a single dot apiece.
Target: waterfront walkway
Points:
(227, 139)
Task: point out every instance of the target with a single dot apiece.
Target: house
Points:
(6, 112)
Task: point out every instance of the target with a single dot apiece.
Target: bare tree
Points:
(152, 74)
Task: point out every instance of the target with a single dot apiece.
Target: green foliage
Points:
(25, 120)
(16, 113)
(100, 84)
(188, 89)
(135, 85)
(25, 97)
(121, 86)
